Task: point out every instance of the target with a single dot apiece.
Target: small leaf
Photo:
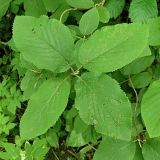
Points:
(102, 103)
(141, 80)
(151, 150)
(4, 4)
(51, 5)
(138, 65)
(89, 21)
(12, 151)
(142, 10)
(34, 8)
(115, 7)
(114, 149)
(104, 52)
(48, 40)
(52, 138)
(45, 107)
(76, 138)
(62, 7)
(104, 14)
(30, 83)
(150, 109)
(84, 4)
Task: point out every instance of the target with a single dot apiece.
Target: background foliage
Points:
(79, 79)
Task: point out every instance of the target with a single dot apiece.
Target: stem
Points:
(55, 155)
(3, 43)
(67, 10)
(136, 106)
(100, 4)
(73, 154)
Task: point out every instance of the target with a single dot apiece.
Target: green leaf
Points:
(34, 8)
(37, 150)
(62, 8)
(115, 7)
(141, 80)
(114, 149)
(138, 65)
(84, 4)
(30, 83)
(142, 10)
(104, 14)
(4, 4)
(45, 107)
(102, 103)
(151, 150)
(89, 21)
(12, 151)
(138, 154)
(150, 109)
(76, 138)
(154, 31)
(47, 40)
(51, 5)
(52, 138)
(104, 52)
(4, 156)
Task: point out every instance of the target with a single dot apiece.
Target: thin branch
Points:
(67, 10)
(55, 155)
(92, 147)
(73, 154)
(100, 4)
(136, 106)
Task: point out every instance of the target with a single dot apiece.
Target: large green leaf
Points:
(154, 31)
(115, 7)
(45, 107)
(111, 48)
(150, 108)
(142, 10)
(114, 149)
(4, 4)
(89, 21)
(101, 102)
(34, 8)
(84, 4)
(45, 43)
(151, 150)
